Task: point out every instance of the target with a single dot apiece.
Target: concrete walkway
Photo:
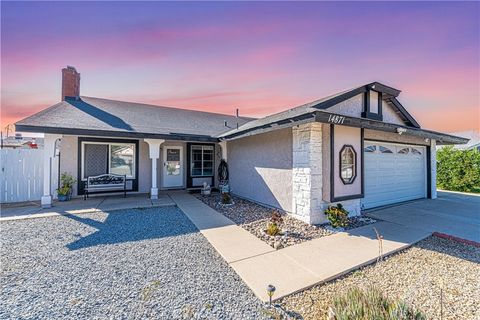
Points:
(296, 267)
(78, 205)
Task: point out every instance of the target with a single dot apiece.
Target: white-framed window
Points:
(348, 166)
(108, 157)
(201, 160)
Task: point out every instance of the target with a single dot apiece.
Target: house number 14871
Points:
(336, 119)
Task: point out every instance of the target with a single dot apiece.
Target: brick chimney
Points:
(70, 83)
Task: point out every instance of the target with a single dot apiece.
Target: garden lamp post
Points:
(270, 291)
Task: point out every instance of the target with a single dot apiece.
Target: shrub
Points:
(337, 215)
(458, 170)
(273, 229)
(66, 184)
(226, 198)
(370, 304)
(276, 218)
(67, 180)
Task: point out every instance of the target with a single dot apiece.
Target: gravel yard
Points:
(128, 264)
(254, 218)
(414, 275)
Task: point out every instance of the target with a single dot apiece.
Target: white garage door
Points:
(393, 173)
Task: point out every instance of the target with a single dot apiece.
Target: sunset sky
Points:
(259, 57)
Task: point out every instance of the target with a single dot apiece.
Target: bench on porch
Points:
(105, 183)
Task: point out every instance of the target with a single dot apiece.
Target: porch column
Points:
(223, 145)
(48, 154)
(154, 152)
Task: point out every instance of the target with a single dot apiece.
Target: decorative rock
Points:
(254, 218)
(126, 264)
(277, 245)
(414, 276)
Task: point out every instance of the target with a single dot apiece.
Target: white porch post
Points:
(223, 145)
(48, 154)
(154, 152)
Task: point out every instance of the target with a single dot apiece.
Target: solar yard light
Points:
(270, 292)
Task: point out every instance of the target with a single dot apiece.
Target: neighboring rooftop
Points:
(472, 135)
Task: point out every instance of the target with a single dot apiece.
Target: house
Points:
(359, 147)
(21, 142)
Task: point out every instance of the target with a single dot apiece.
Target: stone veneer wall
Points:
(307, 173)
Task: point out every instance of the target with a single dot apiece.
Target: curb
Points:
(457, 239)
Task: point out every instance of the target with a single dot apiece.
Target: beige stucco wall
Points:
(352, 107)
(145, 168)
(261, 168)
(347, 136)
(390, 116)
(69, 158)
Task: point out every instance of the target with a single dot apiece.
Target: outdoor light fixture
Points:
(270, 291)
(401, 130)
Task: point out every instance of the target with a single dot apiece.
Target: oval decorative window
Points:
(348, 166)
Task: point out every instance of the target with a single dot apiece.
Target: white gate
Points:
(21, 174)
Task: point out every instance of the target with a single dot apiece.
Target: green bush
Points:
(273, 229)
(337, 215)
(370, 304)
(66, 184)
(458, 170)
(226, 198)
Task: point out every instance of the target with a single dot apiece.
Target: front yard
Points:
(129, 264)
(415, 276)
(153, 263)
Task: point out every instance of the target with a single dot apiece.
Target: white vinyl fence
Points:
(21, 174)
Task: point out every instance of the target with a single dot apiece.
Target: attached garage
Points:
(393, 173)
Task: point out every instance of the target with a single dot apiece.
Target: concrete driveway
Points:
(451, 213)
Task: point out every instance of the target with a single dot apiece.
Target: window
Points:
(201, 161)
(173, 162)
(384, 149)
(370, 149)
(416, 151)
(114, 158)
(348, 164)
(404, 151)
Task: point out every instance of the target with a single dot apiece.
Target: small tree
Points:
(458, 170)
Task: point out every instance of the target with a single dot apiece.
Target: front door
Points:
(172, 167)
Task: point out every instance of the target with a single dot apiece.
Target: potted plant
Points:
(337, 215)
(67, 181)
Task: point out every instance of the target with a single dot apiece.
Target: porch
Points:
(34, 209)
(150, 165)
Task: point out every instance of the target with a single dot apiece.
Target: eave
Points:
(117, 134)
(333, 118)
